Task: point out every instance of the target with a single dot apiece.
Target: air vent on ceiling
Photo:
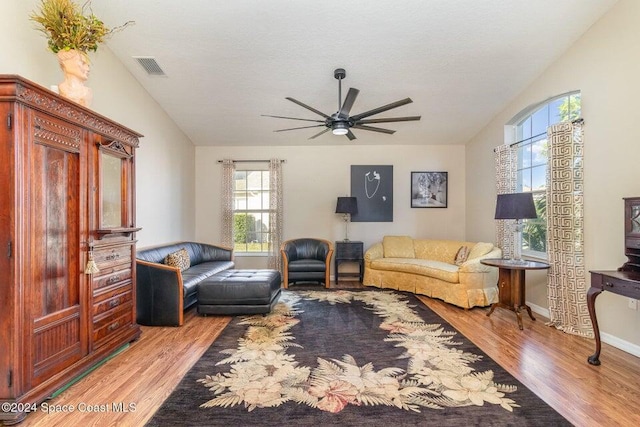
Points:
(150, 65)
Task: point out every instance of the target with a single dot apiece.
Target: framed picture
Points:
(372, 185)
(429, 189)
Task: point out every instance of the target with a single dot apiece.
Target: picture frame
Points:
(429, 189)
(372, 185)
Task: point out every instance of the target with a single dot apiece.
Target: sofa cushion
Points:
(480, 249)
(306, 265)
(437, 250)
(398, 247)
(179, 258)
(436, 269)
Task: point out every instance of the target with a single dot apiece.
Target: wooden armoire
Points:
(67, 197)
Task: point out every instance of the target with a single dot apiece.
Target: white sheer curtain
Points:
(275, 213)
(506, 164)
(567, 285)
(228, 170)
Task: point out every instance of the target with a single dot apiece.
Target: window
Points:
(531, 142)
(251, 211)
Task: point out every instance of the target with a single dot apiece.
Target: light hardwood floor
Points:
(552, 364)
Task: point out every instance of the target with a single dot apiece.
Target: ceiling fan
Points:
(340, 122)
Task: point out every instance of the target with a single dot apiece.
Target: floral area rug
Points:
(349, 358)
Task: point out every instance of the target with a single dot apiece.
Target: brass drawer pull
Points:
(113, 326)
(112, 257)
(608, 284)
(113, 279)
(114, 303)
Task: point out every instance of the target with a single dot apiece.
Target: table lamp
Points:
(347, 206)
(516, 206)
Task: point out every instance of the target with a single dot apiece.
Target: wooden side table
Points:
(511, 284)
(349, 251)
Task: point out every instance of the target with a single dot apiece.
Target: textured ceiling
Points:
(228, 62)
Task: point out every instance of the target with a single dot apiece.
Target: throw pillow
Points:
(178, 259)
(462, 255)
(480, 249)
(398, 247)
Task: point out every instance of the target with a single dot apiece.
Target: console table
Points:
(625, 283)
(349, 251)
(511, 284)
(625, 280)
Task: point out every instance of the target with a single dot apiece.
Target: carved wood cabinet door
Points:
(55, 202)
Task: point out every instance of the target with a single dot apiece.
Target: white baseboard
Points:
(612, 340)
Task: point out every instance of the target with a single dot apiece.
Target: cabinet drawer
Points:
(632, 243)
(116, 277)
(112, 300)
(349, 250)
(110, 257)
(111, 324)
(619, 286)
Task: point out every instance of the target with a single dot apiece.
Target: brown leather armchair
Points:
(307, 260)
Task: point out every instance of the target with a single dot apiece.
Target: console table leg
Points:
(594, 359)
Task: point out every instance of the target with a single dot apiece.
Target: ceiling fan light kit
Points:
(340, 123)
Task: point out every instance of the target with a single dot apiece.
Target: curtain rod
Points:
(252, 161)
(579, 120)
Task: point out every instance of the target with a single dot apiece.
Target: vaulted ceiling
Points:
(229, 62)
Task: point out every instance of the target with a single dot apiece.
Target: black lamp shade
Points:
(347, 205)
(515, 206)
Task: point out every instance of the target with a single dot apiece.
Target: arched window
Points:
(527, 131)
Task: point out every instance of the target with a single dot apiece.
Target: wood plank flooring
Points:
(552, 364)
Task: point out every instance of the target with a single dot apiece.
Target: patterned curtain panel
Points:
(228, 170)
(565, 230)
(506, 166)
(275, 213)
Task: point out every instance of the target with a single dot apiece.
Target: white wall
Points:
(605, 65)
(165, 160)
(315, 176)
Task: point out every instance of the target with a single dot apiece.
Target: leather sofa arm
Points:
(159, 294)
(374, 252)
(216, 253)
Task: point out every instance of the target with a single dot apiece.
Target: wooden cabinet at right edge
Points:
(67, 195)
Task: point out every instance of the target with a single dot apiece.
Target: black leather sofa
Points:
(164, 292)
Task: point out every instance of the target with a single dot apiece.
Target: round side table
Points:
(511, 284)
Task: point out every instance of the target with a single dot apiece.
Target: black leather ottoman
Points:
(233, 292)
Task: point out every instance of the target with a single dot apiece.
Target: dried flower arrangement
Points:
(67, 26)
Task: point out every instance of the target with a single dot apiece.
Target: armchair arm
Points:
(289, 251)
(159, 294)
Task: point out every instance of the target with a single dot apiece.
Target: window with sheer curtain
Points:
(251, 211)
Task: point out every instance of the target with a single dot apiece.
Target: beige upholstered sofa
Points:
(435, 268)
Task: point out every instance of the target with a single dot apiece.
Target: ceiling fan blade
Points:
(350, 135)
(320, 133)
(381, 109)
(388, 120)
(302, 127)
(292, 118)
(295, 101)
(348, 103)
(363, 127)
